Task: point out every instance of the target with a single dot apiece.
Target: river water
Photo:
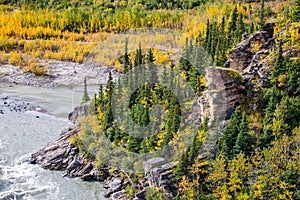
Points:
(22, 134)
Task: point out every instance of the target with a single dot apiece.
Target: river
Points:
(23, 133)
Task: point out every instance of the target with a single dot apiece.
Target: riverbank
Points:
(13, 104)
(60, 73)
(31, 117)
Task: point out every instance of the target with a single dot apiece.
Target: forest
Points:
(258, 154)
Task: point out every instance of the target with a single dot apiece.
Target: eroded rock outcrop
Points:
(249, 57)
(160, 174)
(61, 154)
(224, 92)
(250, 50)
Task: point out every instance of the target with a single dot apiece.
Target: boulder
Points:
(118, 196)
(159, 174)
(113, 186)
(153, 162)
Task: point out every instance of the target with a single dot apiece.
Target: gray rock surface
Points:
(249, 50)
(79, 111)
(224, 92)
(60, 73)
(17, 105)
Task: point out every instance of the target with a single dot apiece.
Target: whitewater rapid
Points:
(23, 133)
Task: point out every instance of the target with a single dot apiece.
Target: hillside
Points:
(209, 110)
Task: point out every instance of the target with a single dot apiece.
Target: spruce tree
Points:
(138, 60)
(230, 134)
(182, 167)
(194, 150)
(126, 60)
(85, 97)
(279, 66)
(262, 14)
(150, 63)
(244, 139)
(100, 96)
(232, 24)
(294, 78)
(150, 57)
(133, 144)
(296, 11)
(240, 27)
(222, 44)
(207, 36)
(109, 85)
(108, 115)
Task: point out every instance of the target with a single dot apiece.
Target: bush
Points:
(36, 68)
(16, 59)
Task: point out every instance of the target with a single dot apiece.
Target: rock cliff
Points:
(223, 93)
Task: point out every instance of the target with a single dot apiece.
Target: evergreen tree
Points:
(182, 167)
(199, 61)
(194, 150)
(85, 97)
(100, 96)
(296, 11)
(150, 63)
(150, 57)
(240, 27)
(184, 62)
(109, 85)
(195, 81)
(126, 61)
(279, 66)
(294, 78)
(267, 137)
(138, 60)
(244, 139)
(108, 115)
(262, 14)
(133, 144)
(207, 36)
(221, 59)
(230, 134)
(232, 26)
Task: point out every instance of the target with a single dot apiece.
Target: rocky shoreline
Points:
(60, 73)
(12, 104)
(62, 155)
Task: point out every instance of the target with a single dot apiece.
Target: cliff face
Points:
(224, 92)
